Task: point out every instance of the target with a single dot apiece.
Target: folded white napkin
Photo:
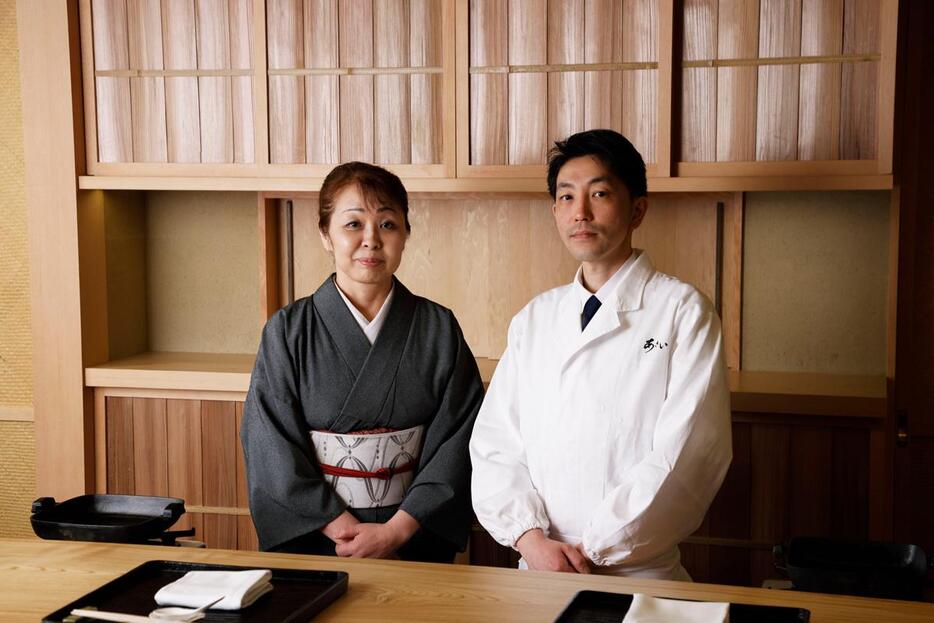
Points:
(648, 609)
(196, 588)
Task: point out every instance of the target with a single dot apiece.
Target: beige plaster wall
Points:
(202, 259)
(17, 438)
(814, 282)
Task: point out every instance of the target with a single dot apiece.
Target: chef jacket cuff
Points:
(525, 527)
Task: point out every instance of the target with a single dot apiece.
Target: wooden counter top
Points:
(751, 392)
(37, 577)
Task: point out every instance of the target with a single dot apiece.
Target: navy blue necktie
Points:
(590, 308)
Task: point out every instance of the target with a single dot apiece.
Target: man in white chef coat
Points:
(605, 433)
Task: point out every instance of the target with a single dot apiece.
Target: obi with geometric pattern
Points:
(369, 469)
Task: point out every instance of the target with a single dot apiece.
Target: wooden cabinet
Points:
(178, 444)
(469, 94)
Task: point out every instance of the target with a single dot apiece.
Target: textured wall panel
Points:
(17, 477)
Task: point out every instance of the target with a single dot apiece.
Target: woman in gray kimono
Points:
(362, 399)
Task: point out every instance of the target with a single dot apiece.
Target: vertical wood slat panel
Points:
(528, 92)
(730, 514)
(120, 457)
(213, 32)
(425, 89)
(769, 448)
(777, 103)
(565, 89)
(850, 487)
(859, 81)
(322, 97)
(241, 87)
(183, 439)
(699, 97)
(356, 91)
(488, 92)
(392, 142)
(219, 471)
(111, 51)
(819, 106)
(147, 95)
(738, 25)
(246, 534)
(640, 87)
(150, 453)
(603, 90)
(286, 93)
(182, 120)
(809, 510)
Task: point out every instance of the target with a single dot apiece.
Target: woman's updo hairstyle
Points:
(378, 186)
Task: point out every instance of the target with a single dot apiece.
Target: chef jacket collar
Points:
(622, 291)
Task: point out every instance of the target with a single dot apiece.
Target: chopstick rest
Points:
(648, 609)
(196, 588)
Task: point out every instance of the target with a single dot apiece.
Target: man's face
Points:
(594, 213)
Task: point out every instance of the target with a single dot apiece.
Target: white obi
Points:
(369, 470)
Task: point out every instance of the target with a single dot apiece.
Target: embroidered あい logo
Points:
(653, 343)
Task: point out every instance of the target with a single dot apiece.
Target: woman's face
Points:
(366, 240)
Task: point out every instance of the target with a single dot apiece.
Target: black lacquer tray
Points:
(599, 607)
(297, 595)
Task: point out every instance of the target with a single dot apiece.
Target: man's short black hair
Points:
(612, 148)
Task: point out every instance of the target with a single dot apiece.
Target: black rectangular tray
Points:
(600, 607)
(297, 595)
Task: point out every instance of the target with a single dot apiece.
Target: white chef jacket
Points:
(617, 436)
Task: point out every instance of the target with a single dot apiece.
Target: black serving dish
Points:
(600, 607)
(297, 595)
(109, 518)
(862, 568)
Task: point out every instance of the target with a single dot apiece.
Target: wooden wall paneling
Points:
(860, 81)
(88, 85)
(285, 50)
(885, 101)
(312, 263)
(769, 449)
(425, 90)
(778, 86)
(603, 90)
(100, 441)
(664, 85)
(680, 235)
(260, 81)
(810, 487)
(120, 455)
(511, 231)
(147, 94)
(150, 452)
(214, 95)
(356, 90)
(528, 91)
(183, 439)
(246, 534)
(819, 106)
(699, 84)
(850, 485)
(565, 88)
(731, 303)
(730, 516)
(737, 38)
(640, 86)
(488, 91)
(179, 45)
(241, 87)
(111, 52)
(392, 142)
(219, 471)
(322, 97)
(267, 230)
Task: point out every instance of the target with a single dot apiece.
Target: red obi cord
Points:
(383, 473)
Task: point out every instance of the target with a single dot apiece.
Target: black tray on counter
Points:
(600, 607)
(108, 518)
(297, 595)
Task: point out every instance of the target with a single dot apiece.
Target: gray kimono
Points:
(315, 369)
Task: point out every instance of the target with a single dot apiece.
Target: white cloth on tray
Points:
(239, 589)
(648, 609)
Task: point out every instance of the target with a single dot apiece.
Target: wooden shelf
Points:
(785, 393)
(492, 185)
